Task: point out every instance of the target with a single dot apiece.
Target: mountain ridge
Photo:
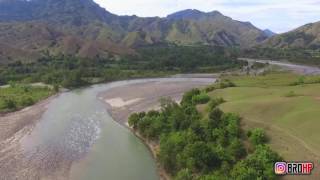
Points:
(306, 37)
(269, 33)
(65, 26)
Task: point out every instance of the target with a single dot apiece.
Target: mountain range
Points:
(306, 37)
(30, 29)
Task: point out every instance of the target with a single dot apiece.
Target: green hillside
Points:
(307, 36)
(285, 105)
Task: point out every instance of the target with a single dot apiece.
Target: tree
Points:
(200, 99)
(73, 79)
(232, 124)
(237, 149)
(170, 146)
(258, 165)
(215, 118)
(220, 136)
(215, 102)
(198, 157)
(184, 174)
(187, 97)
(257, 136)
(134, 120)
(178, 119)
(242, 172)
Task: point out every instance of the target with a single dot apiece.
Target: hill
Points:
(307, 36)
(269, 33)
(285, 105)
(192, 26)
(35, 28)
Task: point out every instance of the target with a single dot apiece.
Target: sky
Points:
(277, 15)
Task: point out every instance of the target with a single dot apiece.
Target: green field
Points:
(19, 96)
(287, 106)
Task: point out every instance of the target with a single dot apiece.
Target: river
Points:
(77, 133)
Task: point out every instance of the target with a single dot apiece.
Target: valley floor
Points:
(284, 104)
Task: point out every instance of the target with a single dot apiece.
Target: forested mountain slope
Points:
(35, 28)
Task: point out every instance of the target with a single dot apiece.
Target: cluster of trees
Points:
(186, 58)
(197, 147)
(69, 71)
(19, 96)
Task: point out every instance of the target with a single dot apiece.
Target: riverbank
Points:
(153, 148)
(16, 97)
(124, 100)
(13, 127)
(13, 122)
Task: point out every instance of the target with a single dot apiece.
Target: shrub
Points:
(215, 102)
(300, 81)
(200, 99)
(27, 101)
(290, 94)
(210, 88)
(187, 97)
(10, 104)
(226, 83)
(257, 165)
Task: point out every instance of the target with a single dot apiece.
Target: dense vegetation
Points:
(295, 55)
(196, 146)
(18, 96)
(185, 58)
(70, 71)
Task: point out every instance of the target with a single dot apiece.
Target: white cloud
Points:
(277, 15)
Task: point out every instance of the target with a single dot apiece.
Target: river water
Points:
(77, 129)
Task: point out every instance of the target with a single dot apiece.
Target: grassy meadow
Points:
(286, 105)
(15, 97)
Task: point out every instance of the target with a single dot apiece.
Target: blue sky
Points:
(277, 15)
